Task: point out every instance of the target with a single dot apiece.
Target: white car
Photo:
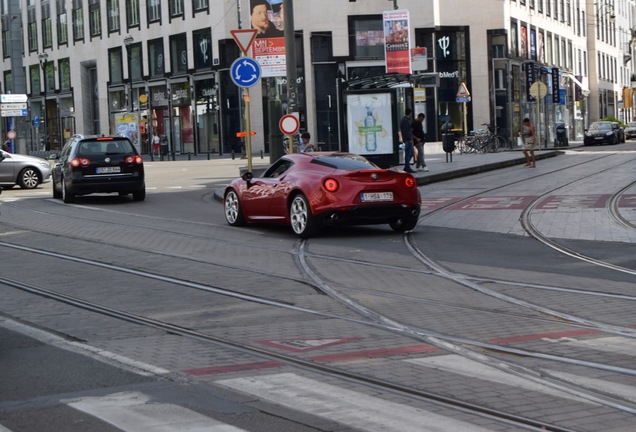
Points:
(26, 171)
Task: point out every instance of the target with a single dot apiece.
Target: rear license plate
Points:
(376, 196)
(107, 170)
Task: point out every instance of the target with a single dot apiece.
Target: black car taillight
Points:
(134, 159)
(76, 162)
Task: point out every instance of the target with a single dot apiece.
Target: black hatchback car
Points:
(601, 132)
(98, 164)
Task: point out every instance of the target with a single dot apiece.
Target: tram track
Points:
(380, 321)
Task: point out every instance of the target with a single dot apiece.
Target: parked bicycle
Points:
(483, 140)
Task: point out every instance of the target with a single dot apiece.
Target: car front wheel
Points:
(233, 210)
(28, 178)
(302, 220)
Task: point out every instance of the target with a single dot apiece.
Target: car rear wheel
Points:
(139, 195)
(302, 220)
(403, 224)
(233, 210)
(28, 178)
(67, 195)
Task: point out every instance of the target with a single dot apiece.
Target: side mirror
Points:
(248, 176)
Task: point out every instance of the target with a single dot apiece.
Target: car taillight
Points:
(75, 162)
(331, 184)
(135, 159)
(409, 182)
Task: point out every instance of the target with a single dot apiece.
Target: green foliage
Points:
(613, 119)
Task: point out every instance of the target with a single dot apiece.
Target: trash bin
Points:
(164, 146)
(561, 136)
(448, 142)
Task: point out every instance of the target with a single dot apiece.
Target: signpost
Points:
(463, 96)
(245, 72)
(538, 90)
(289, 125)
(13, 105)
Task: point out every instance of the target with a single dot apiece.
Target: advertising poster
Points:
(127, 124)
(396, 41)
(268, 49)
(369, 124)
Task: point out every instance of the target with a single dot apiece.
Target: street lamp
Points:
(128, 40)
(44, 59)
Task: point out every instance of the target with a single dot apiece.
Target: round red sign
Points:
(11, 135)
(289, 124)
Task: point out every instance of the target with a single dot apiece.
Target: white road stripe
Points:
(460, 365)
(347, 407)
(134, 412)
(613, 344)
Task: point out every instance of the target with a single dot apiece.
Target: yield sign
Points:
(244, 38)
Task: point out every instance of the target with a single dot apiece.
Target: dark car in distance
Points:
(601, 132)
(96, 164)
(630, 131)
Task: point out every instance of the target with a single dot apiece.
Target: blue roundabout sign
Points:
(245, 72)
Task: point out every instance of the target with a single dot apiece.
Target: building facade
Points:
(146, 67)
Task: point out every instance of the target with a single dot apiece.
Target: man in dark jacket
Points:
(420, 138)
(407, 139)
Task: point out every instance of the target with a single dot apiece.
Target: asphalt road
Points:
(266, 307)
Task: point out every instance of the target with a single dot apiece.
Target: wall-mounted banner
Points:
(396, 41)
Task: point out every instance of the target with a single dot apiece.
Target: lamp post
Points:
(128, 40)
(44, 59)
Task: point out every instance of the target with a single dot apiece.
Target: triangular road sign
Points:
(462, 91)
(244, 38)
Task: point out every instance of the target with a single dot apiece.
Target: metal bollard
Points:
(190, 156)
(232, 154)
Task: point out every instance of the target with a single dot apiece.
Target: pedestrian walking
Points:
(528, 133)
(407, 139)
(419, 140)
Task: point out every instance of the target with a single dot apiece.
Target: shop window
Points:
(367, 37)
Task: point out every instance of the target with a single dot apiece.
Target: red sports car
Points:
(309, 190)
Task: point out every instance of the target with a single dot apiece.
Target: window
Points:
(78, 20)
(36, 83)
(176, 8)
(154, 10)
(367, 38)
(179, 54)
(95, 18)
(156, 58)
(199, 5)
(64, 66)
(112, 7)
(115, 64)
(202, 40)
(132, 13)
(136, 71)
(62, 24)
(47, 31)
(32, 29)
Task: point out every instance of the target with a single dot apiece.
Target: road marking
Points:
(457, 364)
(613, 344)
(350, 408)
(136, 412)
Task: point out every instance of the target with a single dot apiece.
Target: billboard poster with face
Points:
(268, 49)
(396, 41)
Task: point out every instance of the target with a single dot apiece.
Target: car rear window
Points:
(601, 126)
(349, 162)
(102, 147)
